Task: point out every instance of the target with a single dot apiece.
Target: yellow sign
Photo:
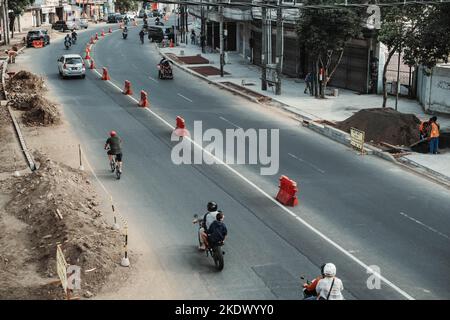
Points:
(61, 267)
(357, 138)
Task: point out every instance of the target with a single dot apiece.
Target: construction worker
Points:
(434, 136)
(424, 129)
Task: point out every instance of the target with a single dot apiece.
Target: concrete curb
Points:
(30, 160)
(4, 66)
(328, 131)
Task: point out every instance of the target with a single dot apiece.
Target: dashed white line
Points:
(424, 225)
(308, 163)
(230, 122)
(153, 79)
(184, 97)
(303, 222)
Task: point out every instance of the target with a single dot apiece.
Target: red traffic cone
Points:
(180, 129)
(109, 31)
(127, 89)
(105, 75)
(87, 57)
(144, 99)
(171, 43)
(96, 36)
(103, 33)
(92, 64)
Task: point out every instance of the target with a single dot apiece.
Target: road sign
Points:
(61, 267)
(357, 138)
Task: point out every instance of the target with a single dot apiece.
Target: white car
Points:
(73, 24)
(71, 65)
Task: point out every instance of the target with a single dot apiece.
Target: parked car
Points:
(83, 22)
(71, 65)
(40, 34)
(60, 25)
(73, 24)
(115, 18)
(157, 33)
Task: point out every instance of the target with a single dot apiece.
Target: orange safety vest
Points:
(434, 130)
(421, 126)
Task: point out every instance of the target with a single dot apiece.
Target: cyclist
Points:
(114, 143)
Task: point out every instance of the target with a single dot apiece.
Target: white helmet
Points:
(329, 270)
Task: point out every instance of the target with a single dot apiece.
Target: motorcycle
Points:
(165, 72)
(124, 35)
(215, 251)
(67, 44)
(307, 294)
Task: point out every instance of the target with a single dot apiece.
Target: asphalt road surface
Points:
(354, 211)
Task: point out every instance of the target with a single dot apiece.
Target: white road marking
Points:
(271, 198)
(308, 163)
(153, 79)
(184, 97)
(424, 225)
(230, 122)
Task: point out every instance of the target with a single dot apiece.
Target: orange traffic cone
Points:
(92, 64)
(127, 89)
(103, 33)
(144, 99)
(171, 43)
(87, 57)
(180, 129)
(105, 75)
(96, 36)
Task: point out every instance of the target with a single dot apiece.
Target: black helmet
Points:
(212, 206)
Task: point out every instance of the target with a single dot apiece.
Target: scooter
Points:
(124, 35)
(67, 44)
(215, 251)
(165, 72)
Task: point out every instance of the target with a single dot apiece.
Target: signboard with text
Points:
(357, 138)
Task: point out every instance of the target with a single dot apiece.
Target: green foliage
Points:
(18, 6)
(126, 5)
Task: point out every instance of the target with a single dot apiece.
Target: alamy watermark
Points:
(237, 146)
(374, 280)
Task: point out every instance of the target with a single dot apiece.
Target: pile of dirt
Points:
(58, 205)
(384, 125)
(41, 113)
(25, 82)
(25, 94)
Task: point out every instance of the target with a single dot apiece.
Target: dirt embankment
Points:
(25, 91)
(53, 205)
(384, 125)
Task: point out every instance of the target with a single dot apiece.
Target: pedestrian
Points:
(193, 36)
(434, 136)
(308, 82)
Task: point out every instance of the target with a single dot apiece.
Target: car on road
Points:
(73, 24)
(157, 33)
(60, 25)
(40, 34)
(71, 65)
(156, 13)
(142, 12)
(83, 22)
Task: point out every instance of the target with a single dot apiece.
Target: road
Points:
(354, 211)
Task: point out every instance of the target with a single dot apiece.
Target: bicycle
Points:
(114, 164)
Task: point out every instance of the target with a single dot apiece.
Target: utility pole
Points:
(222, 58)
(279, 48)
(6, 22)
(264, 47)
(398, 77)
(202, 28)
(186, 24)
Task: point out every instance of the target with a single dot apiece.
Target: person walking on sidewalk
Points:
(434, 136)
(308, 82)
(193, 36)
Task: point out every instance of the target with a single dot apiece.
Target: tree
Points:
(126, 5)
(324, 32)
(17, 7)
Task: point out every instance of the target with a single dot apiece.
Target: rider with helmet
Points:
(207, 220)
(310, 288)
(114, 143)
(330, 287)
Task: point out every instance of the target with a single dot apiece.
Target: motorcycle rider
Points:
(74, 36)
(217, 231)
(125, 32)
(141, 35)
(330, 287)
(67, 39)
(207, 220)
(114, 143)
(310, 288)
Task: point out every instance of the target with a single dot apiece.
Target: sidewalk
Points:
(244, 77)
